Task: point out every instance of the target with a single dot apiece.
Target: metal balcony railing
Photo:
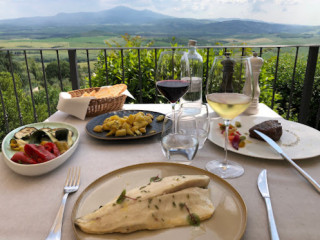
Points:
(71, 55)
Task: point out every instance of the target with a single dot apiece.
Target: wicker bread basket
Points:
(100, 105)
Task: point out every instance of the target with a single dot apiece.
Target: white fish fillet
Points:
(166, 185)
(133, 215)
(165, 211)
(169, 185)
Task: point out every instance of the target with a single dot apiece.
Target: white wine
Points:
(228, 105)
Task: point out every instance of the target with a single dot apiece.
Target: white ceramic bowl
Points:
(40, 168)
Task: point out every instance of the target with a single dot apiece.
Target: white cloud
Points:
(281, 11)
(287, 2)
(232, 1)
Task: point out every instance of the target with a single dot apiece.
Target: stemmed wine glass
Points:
(172, 67)
(229, 92)
(173, 81)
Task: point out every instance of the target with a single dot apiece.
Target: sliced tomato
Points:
(21, 157)
(51, 147)
(38, 153)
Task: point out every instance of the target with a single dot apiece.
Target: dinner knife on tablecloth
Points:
(264, 190)
(286, 157)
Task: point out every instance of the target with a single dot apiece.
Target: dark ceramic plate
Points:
(156, 126)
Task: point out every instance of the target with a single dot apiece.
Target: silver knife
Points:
(286, 157)
(264, 190)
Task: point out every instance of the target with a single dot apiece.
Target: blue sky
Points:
(305, 12)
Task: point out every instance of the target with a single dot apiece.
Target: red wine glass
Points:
(172, 67)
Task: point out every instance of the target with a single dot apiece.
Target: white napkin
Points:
(78, 106)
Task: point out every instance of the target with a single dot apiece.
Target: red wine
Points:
(173, 90)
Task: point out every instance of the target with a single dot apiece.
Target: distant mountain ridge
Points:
(118, 15)
(120, 20)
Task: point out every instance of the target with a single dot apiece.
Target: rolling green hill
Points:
(150, 25)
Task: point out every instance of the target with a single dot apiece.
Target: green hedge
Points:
(146, 87)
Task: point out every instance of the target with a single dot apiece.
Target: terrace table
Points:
(28, 205)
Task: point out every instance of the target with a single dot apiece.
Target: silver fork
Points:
(71, 185)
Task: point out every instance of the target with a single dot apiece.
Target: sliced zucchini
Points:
(45, 129)
(38, 136)
(64, 134)
(25, 133)
(61, 134)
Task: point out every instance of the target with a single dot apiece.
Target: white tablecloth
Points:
(28, 205)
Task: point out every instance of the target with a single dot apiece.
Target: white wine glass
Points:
(229, 92)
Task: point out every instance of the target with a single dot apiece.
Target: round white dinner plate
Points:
(298, 141)
(228, 220)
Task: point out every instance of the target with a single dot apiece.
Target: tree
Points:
(20, 98)
(283, 86)
(133, 77)
(52, 71)
(5, 65)
(10, 103)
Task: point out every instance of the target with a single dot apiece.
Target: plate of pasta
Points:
(125, 124)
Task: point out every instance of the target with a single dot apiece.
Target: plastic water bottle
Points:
(194, 93)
